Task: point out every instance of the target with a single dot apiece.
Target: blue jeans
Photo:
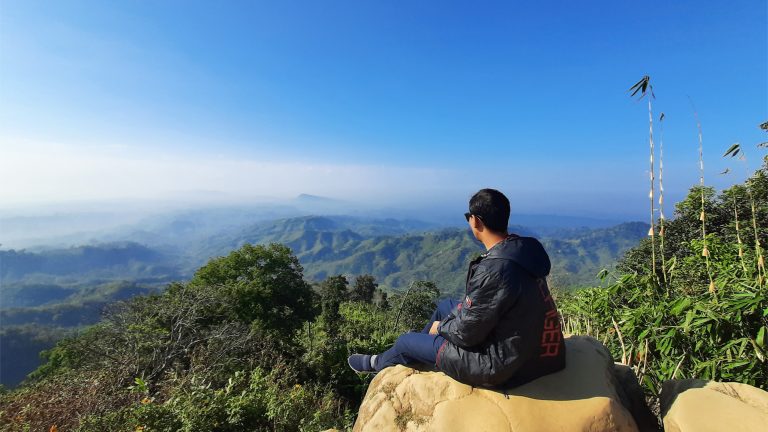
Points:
(415, 347)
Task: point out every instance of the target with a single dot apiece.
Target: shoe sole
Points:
(359, 371)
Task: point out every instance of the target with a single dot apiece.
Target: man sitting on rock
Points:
(506, 331)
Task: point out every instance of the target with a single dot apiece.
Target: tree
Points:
(416, 305)
(365, 286)
(333, 291)
(265, 284)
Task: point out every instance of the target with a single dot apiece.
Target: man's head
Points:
(488, 210)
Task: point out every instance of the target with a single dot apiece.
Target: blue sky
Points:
(392, 101)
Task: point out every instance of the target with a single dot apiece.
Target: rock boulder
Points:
(702, 406)
(582, 397)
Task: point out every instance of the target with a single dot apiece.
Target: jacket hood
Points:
(527, 252)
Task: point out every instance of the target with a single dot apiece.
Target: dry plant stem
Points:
(758, 249)
(652, 231)
(621, 341)
(400, 309)
(661, 200)
(677, 368)
(703, 217)
(738, 235)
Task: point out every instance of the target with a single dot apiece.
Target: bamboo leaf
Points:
(680, 305)
(758, 351)
(640, 87)
(736, 364)
(733, 150)
(688, 318)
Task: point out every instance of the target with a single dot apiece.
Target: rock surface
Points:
(582, 397)
(696, 405)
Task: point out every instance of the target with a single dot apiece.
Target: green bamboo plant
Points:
(645, 88)
(661, 199)
(703, 215)
(734, 151)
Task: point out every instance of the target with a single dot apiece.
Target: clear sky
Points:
(374, 100)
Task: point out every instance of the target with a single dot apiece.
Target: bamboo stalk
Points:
(661, 199)
(758, 248)
(621, 341)
(733, 151)
(738, 235)
(702, 216)
(760, 260)
(645, 88)
(652, 231)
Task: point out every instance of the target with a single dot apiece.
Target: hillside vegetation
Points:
(331, 245)
(674, 322)
(63, 289)
(249, 344)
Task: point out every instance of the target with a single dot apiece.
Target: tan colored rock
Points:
(582, 397)
(714, 406)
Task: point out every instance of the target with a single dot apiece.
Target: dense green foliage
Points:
(250, 344)
(26, 331)
(107, 261)
(25, 342)
(325, 247)
(247, 344)
(672, 324)
(41, 287)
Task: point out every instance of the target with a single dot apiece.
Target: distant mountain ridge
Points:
(60, 289)
(394, 251)
(398, 252)
(90, 260)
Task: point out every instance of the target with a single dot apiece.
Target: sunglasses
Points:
(468, 214)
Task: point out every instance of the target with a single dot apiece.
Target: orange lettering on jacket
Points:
(551, 338)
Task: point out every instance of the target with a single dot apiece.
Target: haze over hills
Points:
(175, 246)
(174, 221)
(396, 252)
(56, 288)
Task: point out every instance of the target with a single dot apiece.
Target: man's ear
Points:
(477, 224)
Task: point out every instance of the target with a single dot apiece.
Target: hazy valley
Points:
(48, 291)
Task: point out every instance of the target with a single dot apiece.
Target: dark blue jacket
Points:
(506, 332)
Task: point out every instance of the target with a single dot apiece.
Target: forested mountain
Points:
(44, 313)
(254, 341)
(394, 251)
(342, 245)
(69, 288)
(127, 259)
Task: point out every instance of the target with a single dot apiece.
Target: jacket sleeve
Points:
(479, 313)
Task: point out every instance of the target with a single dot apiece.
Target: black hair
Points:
(492, 207)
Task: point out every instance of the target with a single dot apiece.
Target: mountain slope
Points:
(346, 245)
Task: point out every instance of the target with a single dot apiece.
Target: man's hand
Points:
(433, 330)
